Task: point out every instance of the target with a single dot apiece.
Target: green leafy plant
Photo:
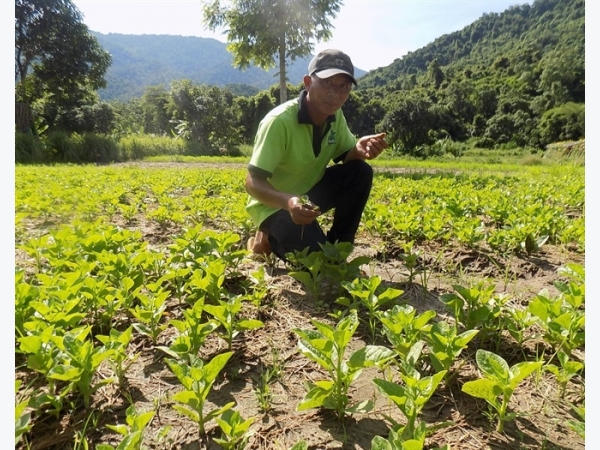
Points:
(79, 362)
(150, 311)
(403, 327)
(475, 307)
(22, 415)
(370, 295)
(499, 381)
(226, 314)
(410, 399)
(197, 379)
(234, 430)
(445, 344)
(396, 441)
(567, 370)
(133, 431)
(121, 360)
(578, 425)
(192, 332)
(562, 324)
(326, 346)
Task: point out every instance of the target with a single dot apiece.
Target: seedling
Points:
(197, 378)
(410, 398)
(226, 313)
(306, 203)
(370, 296)
(234, 430)
(567, 370)
(133, 431)
(499, 380)
(445, 344)
(326, 346)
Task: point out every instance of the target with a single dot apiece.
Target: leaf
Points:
(493, 366)
(370, 356)
(486, 389)
(315, 398)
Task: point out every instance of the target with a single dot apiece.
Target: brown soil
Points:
(542, 420)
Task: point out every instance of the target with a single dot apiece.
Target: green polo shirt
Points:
(289, 154)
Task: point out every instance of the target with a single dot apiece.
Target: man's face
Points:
(329, 94)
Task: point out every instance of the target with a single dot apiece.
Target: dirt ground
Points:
(542, 420)
(150, 384)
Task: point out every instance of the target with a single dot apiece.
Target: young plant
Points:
(396, 441)
(306, 203)
(578, 426)
(192, 332)
(22, 415)
(234, 430)
(410, 399)
(499, 380)
(197, 379)
(326, 346)
(368, 293)
(567, 370)
(150, 311)
(80, 360)
(476, 306)
(133, 431)
(445, 344)
(226, 314)
(404, 328)
(121, 360)
(562, 324)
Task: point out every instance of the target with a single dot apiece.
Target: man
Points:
(294, 145)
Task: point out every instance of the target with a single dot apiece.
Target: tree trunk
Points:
(282, 77)
(22, 117)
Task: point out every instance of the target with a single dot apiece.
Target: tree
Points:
(56, 57)
(259, 30)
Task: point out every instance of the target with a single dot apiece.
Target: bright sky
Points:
(373, 33)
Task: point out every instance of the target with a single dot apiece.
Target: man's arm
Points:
(260, 188)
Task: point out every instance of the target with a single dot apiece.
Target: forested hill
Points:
(139, 61)
(519, 41)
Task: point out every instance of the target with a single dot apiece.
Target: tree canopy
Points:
(258, 31)
(56, 57)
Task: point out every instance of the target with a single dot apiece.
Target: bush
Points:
(98, 148)
(62, 148)
(28, 149)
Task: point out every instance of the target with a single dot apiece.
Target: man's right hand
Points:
(302, 213)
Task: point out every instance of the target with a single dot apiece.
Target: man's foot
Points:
(259, 244)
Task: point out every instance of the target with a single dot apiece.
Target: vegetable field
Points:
(456, 321)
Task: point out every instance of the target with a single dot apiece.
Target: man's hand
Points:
(370, 147)
(302, 212)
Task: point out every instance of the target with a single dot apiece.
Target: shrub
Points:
(28, 149)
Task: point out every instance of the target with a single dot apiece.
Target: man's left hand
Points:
(370, 147)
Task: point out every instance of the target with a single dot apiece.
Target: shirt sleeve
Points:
(269, 145)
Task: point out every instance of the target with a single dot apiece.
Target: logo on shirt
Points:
(331, 139)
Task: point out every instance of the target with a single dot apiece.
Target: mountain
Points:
(145, 60)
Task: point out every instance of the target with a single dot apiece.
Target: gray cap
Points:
(331, 62)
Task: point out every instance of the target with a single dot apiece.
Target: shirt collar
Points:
(303, 116)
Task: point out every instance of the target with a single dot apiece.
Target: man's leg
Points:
(345, 187)
(285, 236)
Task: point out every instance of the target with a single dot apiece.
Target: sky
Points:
(373, 33)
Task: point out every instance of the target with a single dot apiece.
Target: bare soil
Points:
(542, 420)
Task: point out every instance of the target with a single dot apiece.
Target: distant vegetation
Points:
(509, 80)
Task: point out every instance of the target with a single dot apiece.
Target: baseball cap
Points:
(331, 62)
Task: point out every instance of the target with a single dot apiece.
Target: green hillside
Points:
(139, 61)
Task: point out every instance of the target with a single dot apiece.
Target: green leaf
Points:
(493, 366)
(370, 356)
(484, 388)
